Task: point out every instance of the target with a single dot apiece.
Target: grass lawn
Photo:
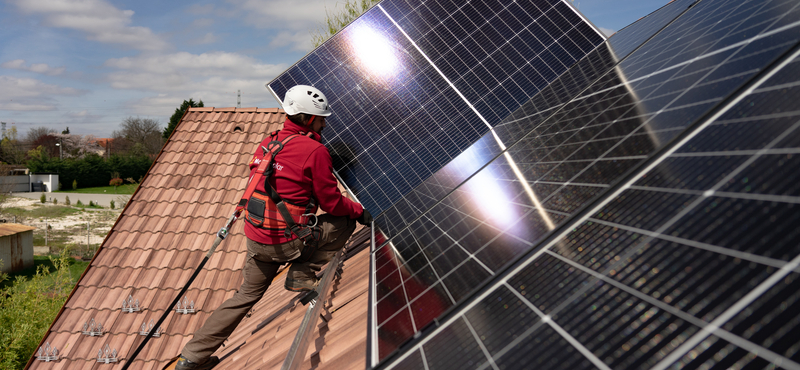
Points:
(122, 189)
(76, 268)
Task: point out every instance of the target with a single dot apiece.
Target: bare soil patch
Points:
(64, 230)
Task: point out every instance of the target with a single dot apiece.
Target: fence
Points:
(19, 183)
(84, 239)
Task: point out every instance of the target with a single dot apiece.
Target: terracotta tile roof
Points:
(161, 237)
(103, 142)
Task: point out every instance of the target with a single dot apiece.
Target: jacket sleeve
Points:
(326, 189)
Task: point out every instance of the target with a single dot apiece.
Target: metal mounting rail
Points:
(299, 347)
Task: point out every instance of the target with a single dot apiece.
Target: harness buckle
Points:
(309, 215)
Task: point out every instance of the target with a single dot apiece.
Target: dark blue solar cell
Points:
(561, 53)
(530, 7)
(552, 58)
(511, 25)
(558, 23)
(308, 71)
(503, 31)
(541, 67)
(539, 33)
(449, 67)
(428, 15)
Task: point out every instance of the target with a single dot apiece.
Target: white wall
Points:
(51, 180)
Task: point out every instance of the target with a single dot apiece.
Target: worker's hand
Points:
(365, 219)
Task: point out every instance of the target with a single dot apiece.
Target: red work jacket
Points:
(302, 170)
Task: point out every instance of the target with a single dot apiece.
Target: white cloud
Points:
(297, 20)
(203, 22)
(214, 92)
(100, 20)
(209, 38)
(200, 9)
(288, 14)
(11, 105)
(37, 67)
(81, 114)
(183, 65)
(82, 117)
(300, 41)
(213, 77)
(30, 94)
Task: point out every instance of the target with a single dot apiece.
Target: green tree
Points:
(336, 21)
(92, 169)
(12, 149)
(142, 132)
(179, 112)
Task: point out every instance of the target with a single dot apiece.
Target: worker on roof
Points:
(302, 175)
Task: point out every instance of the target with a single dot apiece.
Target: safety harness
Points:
(269, 211)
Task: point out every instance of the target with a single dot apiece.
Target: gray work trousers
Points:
(262, 265)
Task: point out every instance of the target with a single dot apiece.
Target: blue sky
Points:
(88, 64)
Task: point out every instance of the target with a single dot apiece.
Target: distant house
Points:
(104, 146)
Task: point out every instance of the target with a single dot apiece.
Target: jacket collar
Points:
(293, 128)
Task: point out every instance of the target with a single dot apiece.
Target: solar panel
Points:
(520, 122)
(413, 84)
(654, 211)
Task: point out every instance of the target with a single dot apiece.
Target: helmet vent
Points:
(306, 99)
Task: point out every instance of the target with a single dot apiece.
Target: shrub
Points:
(59, 185)
(29, 307)
(111, 204)
(79, 204)
(74, 184)
(91, 204)
(66, 200)
(115, 181)
(43, 198)
(55, 200)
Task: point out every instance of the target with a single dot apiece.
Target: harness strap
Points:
(266, 162)
(305, 233)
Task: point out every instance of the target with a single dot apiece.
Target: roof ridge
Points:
(236, 109)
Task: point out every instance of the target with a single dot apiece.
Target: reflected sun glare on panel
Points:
(375, 54)
(491, 199)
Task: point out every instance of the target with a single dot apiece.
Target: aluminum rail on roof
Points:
(299, 347)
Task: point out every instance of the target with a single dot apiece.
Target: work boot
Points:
(300, 285)
(185, 364)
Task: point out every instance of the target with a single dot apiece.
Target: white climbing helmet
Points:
(306, 99)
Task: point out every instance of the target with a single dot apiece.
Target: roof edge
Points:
(234, 109)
